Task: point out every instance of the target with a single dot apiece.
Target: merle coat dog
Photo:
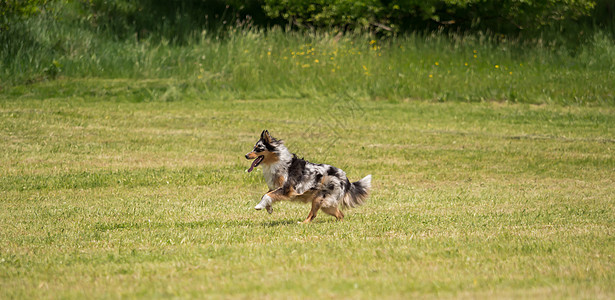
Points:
(295, 179)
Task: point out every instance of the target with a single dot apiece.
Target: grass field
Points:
(109, 189)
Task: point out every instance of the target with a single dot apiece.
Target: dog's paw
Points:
(266, 202)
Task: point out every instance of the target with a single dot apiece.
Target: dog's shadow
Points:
(228, 223)
(276, 223)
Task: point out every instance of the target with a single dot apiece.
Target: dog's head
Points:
(265, 150)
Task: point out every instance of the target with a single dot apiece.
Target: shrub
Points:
(11, 10)
(499, 15)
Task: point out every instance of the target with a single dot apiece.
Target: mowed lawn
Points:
(101, 197)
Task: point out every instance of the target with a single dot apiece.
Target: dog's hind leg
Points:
(316, 204)
(334, 211)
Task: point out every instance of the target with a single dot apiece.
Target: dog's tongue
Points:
(254, 162)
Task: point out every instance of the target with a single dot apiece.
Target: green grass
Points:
(109, 190)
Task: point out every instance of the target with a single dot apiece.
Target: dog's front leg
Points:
(283, 193)
(266, 202)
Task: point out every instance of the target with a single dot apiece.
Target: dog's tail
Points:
(357, 192)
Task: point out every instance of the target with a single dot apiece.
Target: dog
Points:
(292, 178)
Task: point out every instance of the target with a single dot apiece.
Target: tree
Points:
(14, 10)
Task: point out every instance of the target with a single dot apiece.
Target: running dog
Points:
(291, 178)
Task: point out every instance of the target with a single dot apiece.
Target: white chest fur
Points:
(271, 174)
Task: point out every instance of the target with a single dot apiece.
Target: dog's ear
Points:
(265, 136)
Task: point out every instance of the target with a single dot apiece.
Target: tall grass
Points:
(246, 62)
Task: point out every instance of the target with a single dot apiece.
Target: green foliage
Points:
(326, 13)
(604, 16)
(12, 10)
(53, 70)
(505, 16)
(174, 20)
(177, 20)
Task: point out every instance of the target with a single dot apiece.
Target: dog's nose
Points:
(248, 157)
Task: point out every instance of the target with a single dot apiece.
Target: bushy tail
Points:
(358, 192)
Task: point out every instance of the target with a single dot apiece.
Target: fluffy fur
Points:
(291, 178)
